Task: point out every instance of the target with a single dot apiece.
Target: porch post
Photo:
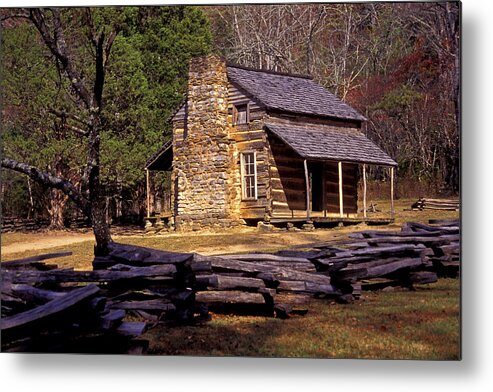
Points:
(392, 192)
(341, 202)
(148, 194)
(307, 180)
(364, 190)
(324, 191)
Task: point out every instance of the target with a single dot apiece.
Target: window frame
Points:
(244, 176)
(246, 105)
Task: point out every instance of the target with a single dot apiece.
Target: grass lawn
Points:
(423, 324)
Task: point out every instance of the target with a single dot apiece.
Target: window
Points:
(249, 175)
(241, 114)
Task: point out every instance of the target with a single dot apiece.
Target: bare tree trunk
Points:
(95, 208)
(100, 226)
(453, 33)
(31, 201)
(58, 201)
(96, 197)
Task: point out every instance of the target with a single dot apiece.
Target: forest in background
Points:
(397, 63)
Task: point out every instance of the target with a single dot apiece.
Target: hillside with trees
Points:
(87, 92)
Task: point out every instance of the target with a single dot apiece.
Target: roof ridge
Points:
(291, 93)
(268, 71)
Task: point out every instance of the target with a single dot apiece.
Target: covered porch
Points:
(159, 210)
(319, 174)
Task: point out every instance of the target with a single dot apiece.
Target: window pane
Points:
(249, 181)
(249, 187)
(242, 117)
(242, 114)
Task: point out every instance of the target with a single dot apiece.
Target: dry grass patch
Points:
(246, 239)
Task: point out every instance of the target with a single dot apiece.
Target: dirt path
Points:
(18, 242)
(269, 240)
(241, 240)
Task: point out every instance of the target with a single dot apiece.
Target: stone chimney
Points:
(204, 163)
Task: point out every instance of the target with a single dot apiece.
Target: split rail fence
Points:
(45, 308)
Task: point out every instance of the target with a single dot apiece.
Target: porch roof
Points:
(162, 159)
(321, 142)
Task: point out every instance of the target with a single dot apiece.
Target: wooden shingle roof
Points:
(319, 142)
(291, 93)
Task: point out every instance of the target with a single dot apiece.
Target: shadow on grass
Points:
(397, 325)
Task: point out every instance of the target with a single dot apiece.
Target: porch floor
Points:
(322, 219)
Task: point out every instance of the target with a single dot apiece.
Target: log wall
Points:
(287, 178)
(349, 187)
(251, 137)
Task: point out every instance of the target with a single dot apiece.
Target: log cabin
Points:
(253, 146)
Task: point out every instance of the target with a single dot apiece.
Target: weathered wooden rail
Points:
(14, 224)
(47, 309)
(436, 204)
(338, 270)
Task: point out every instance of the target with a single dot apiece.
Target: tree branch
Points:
(77, 130)
(48, 180)
(100, 70)
(58, 47)
(13, 15)
(92, 31)
(109, 44)
(64, 115)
